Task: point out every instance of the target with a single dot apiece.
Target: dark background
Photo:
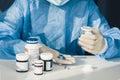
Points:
(109, 8)
(4, 4)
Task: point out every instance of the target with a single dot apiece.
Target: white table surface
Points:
(86, 68)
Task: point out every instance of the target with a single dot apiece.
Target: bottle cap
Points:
(86, 28)
(32, 40)
(38, 62)
(22, 57)
(62, 57)
(46, 56)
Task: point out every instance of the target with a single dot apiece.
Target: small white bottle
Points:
(47, 59)
(22, 64)
(38, 67)
(32, 49)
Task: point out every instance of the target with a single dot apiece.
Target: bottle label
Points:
(21, 66)
(33, 53)
(38, 70)
(49, 65)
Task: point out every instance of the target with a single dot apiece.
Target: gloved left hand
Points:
(68, 58)
(93, 42)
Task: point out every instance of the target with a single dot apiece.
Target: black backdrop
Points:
(109, 8)
(111, 11)
(4, 4)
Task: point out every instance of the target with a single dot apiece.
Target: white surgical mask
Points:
(58, 2)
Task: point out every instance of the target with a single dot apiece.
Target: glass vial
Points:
(47, 59)
(22, 64)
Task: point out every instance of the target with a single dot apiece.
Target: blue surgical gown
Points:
(58, 27)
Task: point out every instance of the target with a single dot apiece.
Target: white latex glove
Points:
(93, 41)
(68, 59)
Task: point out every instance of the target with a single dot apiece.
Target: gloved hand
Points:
(68, 59)
(93, 41)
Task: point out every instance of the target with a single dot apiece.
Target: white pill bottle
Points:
(38, 67)
(32, 49)
(22, 62)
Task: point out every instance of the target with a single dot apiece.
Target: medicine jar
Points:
(47, 59)
(22, 64)
(38, 67)
(32, 48)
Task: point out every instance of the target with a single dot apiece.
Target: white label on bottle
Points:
(38, 70)
(33, 54)
(33, 51)
(48, 66)
(21, 66)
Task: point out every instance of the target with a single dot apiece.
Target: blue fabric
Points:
(56, 27)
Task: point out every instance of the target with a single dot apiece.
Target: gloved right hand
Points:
(68, 59)
(93, 41)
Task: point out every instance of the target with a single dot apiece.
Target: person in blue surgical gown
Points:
(57, 24)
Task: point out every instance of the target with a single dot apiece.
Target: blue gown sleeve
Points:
(113, 40)
(11, 22)
(96, 19)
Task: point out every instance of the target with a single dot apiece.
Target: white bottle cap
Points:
(22, 57)
(86, 28)
(38, 61)
(46, 56)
